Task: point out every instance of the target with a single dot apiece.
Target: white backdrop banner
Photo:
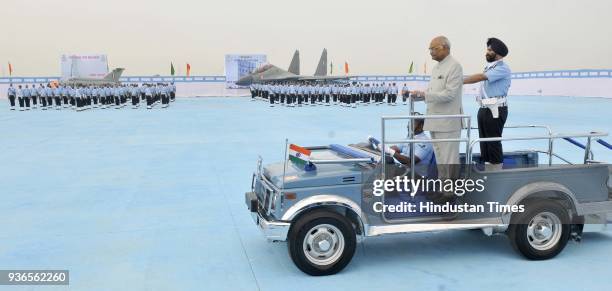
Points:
(84, 66)
(238, 66)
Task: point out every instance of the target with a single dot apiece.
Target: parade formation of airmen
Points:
(83, 97)
(345, 94)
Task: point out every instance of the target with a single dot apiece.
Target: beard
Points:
(490, 58)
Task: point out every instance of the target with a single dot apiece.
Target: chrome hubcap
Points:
(323, 244)
(544, 231)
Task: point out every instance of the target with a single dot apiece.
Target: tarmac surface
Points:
(137, 199)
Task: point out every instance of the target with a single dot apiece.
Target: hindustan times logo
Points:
(430, 207)
(405, 184)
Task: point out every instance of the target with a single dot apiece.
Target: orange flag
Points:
(346, 69)
(188, 69)
(10, 69)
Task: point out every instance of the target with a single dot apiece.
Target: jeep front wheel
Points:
(322, 243)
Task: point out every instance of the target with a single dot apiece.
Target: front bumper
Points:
(272, 230)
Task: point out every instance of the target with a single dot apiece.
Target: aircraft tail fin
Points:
(322, 66)
(114, 75)
(294, 67)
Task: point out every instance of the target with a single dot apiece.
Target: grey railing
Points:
(588, 155)
(411, 139)
(587, 149)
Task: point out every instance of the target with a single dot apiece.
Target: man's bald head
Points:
(439, 48)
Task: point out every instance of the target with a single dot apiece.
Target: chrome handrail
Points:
(436, 116)
(411, 139)
(430, 140)
(530, 126)
(471, 142)
(549, 137)
(550, 141)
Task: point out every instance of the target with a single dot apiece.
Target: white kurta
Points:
(444, 97)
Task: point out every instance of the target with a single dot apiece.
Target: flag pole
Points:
(285, 165)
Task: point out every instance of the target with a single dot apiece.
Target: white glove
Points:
(389, 151)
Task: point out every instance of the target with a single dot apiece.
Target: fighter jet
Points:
(272, 73)
(321, 72)
(111, 78)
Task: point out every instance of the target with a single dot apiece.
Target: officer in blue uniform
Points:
(165, 91)
(57, 92)
(493, 111)
(77, 96)
(20, 98)
(149, 96)
(49, 94)
(26, 97)
(405, 90)
(72, 96)
(172, 92)
(34, 96)
(12, 94)
(65, 95)
(42, 94)
(134, 94)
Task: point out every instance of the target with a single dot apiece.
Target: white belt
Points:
(493, 103)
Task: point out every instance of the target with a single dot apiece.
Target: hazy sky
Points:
(375, 37)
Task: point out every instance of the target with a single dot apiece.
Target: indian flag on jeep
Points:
(299, 155)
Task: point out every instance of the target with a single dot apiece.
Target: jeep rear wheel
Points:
(321, 243)
(542, 231)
